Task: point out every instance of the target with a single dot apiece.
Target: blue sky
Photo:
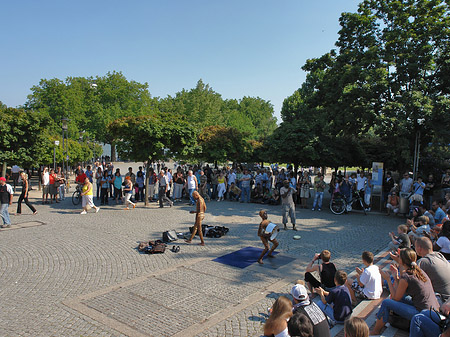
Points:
(241, 48)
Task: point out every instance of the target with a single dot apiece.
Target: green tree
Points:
(152, 137)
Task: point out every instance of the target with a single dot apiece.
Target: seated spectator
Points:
(435, 266)
(276, 324)
(393, 204)
(300, 325)
(235, 192)
(326, 270)
(437, 212)
(367, 285)
(257, 194)
(410, 280)
(430, 216)
(401, 240)
(414, 219)
(336, 303)
(426, 323)
(442, 244)
(422, 229)
(303, 306)
(355, 327)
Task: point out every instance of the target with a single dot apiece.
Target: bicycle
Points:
(339, 204)
(76, 196)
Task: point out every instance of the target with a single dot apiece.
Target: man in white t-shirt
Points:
(367, 284)
(361, 182)
(45, 185)
(406, 185)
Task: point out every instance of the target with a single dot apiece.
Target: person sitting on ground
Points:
(326, 270)
(355, 327)
(422, 229)
(428, 323)
(257, 194)
(281, 312)
(410, 280)
(300, 325)
(303, 306)
(435, 266)
(426, 213)
(336, 303)
(442, 244)
(393, 204)
(235, 192)
(437, 212)
(414, 220)
(401, 240)
(367, 285)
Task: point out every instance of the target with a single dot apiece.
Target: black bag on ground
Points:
(169, 236)
(399, 322)
(152, 247)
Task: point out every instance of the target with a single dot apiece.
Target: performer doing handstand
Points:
(265, 237)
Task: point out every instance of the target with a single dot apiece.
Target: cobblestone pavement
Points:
(66, 274)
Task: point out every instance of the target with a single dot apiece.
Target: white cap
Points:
(299, 292)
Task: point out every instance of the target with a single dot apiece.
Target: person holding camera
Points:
(326, 270)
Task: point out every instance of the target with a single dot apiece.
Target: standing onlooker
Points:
(15, 170)
(87, 195)
(388, 185)
(245, 186)
(368, 192)
(169, 181)
(62, 184)
(163, 186)
(305, 184)
(429, 190)
(287, 202)
(105, 184)
(24, 195)
(152, 180)
(117, 183)
(131, 175)
(140, 181)
(406, 185)
(203, 182)
(45, 179)
(53, 186)
(319, 188)
(191, 186)
(6, 197)
(89, 174)
(445, 183)
(214, 183)
(361, 183)
(128, 191)
(221, 187)
(178, 186)
(98, 178)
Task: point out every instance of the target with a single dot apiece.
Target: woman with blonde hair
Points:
(356, 327)
(276, 324)
(410, 280)
(24, 195)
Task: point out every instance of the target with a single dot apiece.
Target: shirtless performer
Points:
(200, 215)
(265, 237)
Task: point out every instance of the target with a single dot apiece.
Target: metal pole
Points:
(415, 157)
(54, 157)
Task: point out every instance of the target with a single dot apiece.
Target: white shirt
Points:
(371, 278)
(15, 169)
(45, 179)
(191, 182)
(444, 243)
(361, 183)
(231, 178)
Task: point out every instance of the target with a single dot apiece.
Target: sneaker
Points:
(313, 209)
(6, 226)
(98, 208)
(320, 209)
(84, 212)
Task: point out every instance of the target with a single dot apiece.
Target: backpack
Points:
(169, 236)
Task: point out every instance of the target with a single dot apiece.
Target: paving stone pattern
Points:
(44, 267)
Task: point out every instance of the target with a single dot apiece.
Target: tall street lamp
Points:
(64, 127)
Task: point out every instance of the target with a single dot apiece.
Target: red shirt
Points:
(51, 178)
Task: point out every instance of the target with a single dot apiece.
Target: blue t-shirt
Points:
(118, 182)
(342, 303)
(418, 188)
(439, 215)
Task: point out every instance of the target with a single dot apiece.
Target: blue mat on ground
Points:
(243, 257)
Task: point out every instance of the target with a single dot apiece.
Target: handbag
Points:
(169, 236)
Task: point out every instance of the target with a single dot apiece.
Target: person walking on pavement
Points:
(199, 216)
(6, 197)
(87, 195)
(24, 195)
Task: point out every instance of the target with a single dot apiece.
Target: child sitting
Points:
(401, 240)
(423, 229)
(336, 303)
(367, 284)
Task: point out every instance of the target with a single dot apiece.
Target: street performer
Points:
(265, 237)
(200, 215)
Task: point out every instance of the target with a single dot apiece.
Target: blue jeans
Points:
(402, 308)
(5, 214)
(328, 310)
(191, 190)
(245, 196)
(424, 325)
(318, 198)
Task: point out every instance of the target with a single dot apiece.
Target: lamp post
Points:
(420, 122)
(64, 128)
(56, 143)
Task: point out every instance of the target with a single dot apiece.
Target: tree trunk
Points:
(4, 169)
(147, 170)
(295, 169)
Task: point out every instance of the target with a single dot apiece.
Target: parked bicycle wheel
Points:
(76, 198)
(337, 205)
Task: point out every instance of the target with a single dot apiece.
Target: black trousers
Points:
(104, 196)
(162, 196)
(315, 283)
(19, 203)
